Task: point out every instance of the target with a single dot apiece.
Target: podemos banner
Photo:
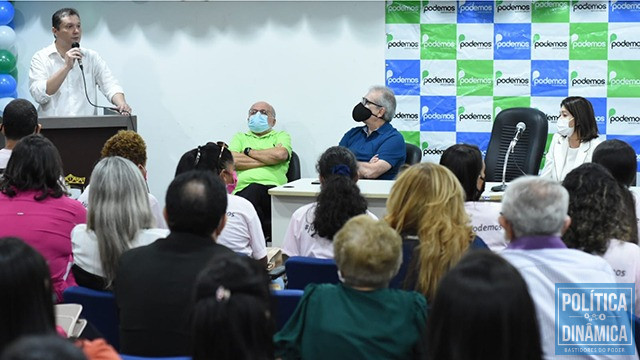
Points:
(455, 65)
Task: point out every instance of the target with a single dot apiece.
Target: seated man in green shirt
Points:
(262, 160)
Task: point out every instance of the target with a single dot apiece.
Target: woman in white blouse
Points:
(119, 218)
(575, 141)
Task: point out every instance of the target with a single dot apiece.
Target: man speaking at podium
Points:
(56, 75)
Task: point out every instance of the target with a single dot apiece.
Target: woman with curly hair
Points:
(426, 207)
(599, 225)
(313, 226)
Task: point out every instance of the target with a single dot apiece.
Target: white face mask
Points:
(563, 126)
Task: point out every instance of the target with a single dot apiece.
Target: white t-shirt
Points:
(86, 253)
(484, 220)
(5, 154)
(156, 210)
(624, 258)
(243, 231)
(298, 240)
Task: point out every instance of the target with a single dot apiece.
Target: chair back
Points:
(294, 167)
(302, 271)
(285, 303)
(527, 154)
(99, 308)
(414, 154)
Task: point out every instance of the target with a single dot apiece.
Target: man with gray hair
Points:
(378, 146)
(534, 216)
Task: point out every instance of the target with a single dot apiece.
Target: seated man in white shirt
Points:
(57, 84)
(19, 119)
(534, 215)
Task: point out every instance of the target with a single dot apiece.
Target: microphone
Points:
(77, 45)
(520, 128)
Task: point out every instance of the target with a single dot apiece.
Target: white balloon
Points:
(7, 37)
(3, 102)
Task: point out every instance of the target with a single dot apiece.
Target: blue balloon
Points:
(6, 12)
(7, 85)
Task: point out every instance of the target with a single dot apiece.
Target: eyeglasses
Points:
(366, 101)
(255, 111)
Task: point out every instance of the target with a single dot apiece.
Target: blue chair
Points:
(131, 357)
(286, 302)
(636, 333)
(302, 271)
(99, 308)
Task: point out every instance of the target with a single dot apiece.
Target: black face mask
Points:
(360, 113)
(478, 192)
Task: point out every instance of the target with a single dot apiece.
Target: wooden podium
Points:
(79, 140)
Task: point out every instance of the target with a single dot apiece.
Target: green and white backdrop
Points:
(455, 65)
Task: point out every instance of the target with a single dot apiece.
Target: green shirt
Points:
(268, 174)
(339, 322)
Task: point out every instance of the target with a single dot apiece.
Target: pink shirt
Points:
(46, 226)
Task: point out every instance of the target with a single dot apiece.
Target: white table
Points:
(289, 197)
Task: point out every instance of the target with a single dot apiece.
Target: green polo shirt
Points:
(265, 175)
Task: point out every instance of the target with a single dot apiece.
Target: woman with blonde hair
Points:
(426, 207)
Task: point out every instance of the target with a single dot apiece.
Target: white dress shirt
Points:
(70, 99)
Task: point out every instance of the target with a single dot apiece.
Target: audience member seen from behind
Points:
(243, 232)
(360, 318)
(28, 310)
(483, 310)
(599, 225)
(35, 208)
(154, 283)
(426, 207)
(312, 227)
(465, 161)
(575, 141)
(19, 119)
(129, 145)
(620, 159)
(231, 317)
(534, 216)
(42, 347)
(119, 218)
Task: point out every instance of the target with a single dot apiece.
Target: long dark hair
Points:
(205, 157)
(465, 161)
(34, 165)
(483, 310)
(26, 307)
(339, 199)
(231, 318)
(597, 209)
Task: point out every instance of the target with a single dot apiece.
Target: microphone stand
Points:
(512, 145)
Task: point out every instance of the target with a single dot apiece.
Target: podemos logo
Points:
(435, 7)
(622, 118)
(436, 116)
(512, 7)
(548, 44)
(472, 116)
(436, 80)
(475, 7)
(589, 6)
(427, 151)
(406, 116)
(400, 7)
(518, 81)
(622, 44)
(613, 81)
(537, 80)
(510, 44)
(633, 6)
(549, 5)
(401, 44)
(436, 44)
(400, 80)
(472, 80)
(577, 44)
(473, 43)
(576, 80)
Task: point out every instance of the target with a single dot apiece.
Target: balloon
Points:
(7, 37)
(6, 12)
(4, 101)
(7, 85)
(7, 61)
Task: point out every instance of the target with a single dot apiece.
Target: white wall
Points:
(191, 70)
